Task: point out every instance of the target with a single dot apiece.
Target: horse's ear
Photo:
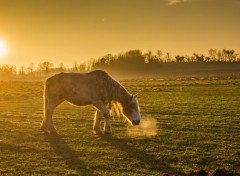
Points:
(133, 96)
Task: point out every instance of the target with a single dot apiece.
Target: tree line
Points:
(134, 60)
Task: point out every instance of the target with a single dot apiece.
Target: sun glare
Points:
(3, 49)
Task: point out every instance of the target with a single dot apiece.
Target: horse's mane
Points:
(117, 95)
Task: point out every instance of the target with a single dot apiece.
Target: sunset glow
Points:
(92, 29)
(3, 49)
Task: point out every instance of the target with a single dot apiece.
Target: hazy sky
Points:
(77, 30)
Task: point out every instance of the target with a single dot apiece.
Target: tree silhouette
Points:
(148, 56)
(132, 61)
(229, 55)
(30, 69)
(167, 57)
(61, 67)
(220, 57)
(75, 67)
(82, 67)
(45, 66)
(22, 70)
(159, 55)
(213, 54)
(199, 57)
(7, 70)
(105, 60)
(179, 58)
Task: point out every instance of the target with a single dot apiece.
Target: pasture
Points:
(194, 124)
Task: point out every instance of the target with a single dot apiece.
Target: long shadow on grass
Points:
(154, 164)
(71, 158)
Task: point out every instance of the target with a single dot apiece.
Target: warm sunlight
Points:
(3, 48)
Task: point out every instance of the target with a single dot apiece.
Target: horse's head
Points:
(132, 111)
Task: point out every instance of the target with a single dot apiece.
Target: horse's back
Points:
(96, 74)
(74, 87)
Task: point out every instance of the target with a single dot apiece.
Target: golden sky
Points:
(77, 30)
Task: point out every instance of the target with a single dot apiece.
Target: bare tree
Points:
(159, 55)
(199, 57)
(7, 71)
(167, 57)
(29, 69)
(75, 66)
(82, 67)
(22, 71)
(61, 67)
(212, 54)
(220, 57)
(45, 66)
(229, 55)
(179, 58)
(148, 56)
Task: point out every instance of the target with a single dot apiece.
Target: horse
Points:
(95, 88)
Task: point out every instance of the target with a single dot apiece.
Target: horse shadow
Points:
(151, 161)
(70, 156)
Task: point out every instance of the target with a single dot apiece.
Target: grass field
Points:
(197, 127)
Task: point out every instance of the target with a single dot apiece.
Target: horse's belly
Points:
(79, 101)
(77, 96)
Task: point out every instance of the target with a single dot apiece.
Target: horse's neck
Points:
(122, 95)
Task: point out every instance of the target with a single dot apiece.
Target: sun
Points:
(3, 48)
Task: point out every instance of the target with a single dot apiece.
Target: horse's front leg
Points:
(107, 126)
(97, 122)
(106, 114)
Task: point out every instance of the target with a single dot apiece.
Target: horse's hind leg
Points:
(97, 122)
(49, 105)
(47, 123)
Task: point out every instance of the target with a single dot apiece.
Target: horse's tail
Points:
(45, 104)
(45, 100)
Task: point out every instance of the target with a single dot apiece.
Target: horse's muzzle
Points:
(135, 122)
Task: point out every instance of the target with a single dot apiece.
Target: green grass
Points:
(197, 120)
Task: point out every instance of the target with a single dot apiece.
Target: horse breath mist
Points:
(147, 128)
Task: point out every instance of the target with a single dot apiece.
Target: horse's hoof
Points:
(43, 129)
(97, 132)
(53, 132)
(42, 126)
(107, 133)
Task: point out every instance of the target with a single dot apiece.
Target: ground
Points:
(196, 123)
